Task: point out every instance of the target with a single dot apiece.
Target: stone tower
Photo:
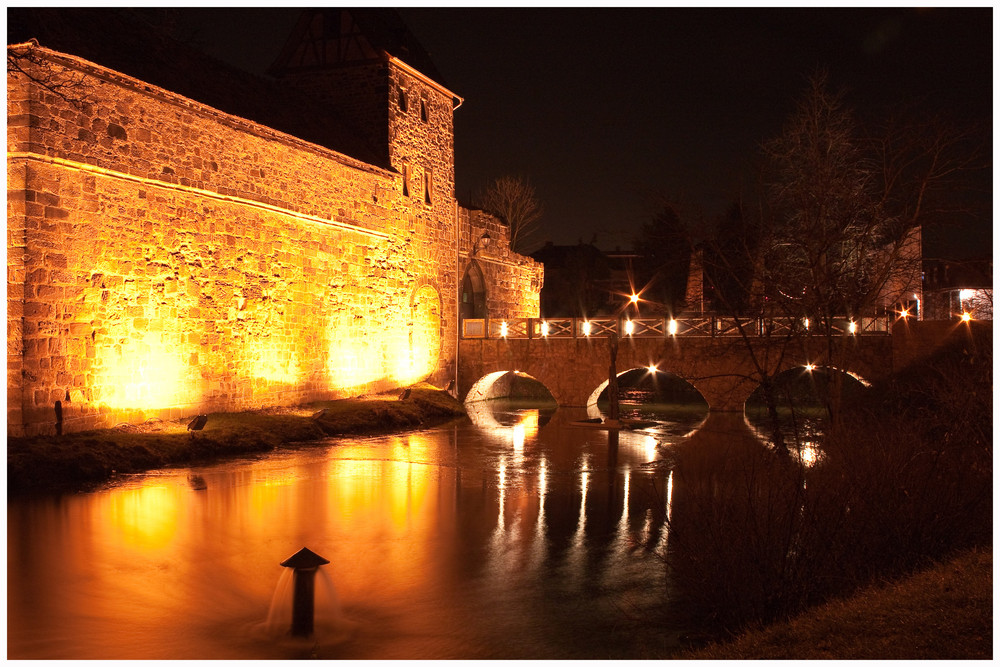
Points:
(366, 66)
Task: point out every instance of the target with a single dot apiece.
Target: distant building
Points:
(953, 288)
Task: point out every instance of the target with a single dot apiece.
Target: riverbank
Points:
(942, 613)
(78, 461)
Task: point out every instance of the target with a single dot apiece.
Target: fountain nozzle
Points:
(304, 564)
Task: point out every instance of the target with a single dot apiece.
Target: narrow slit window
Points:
(423, 110)
(428, 183)
(402, 100)
(406, 180)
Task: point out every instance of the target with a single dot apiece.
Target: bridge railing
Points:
(708, 326)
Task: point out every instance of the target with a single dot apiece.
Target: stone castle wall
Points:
(166, 259)
(514, 282)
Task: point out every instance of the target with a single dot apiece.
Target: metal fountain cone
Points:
(304, 564)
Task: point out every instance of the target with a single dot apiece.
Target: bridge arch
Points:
(649, 371)
(572, 360)
(498, 384)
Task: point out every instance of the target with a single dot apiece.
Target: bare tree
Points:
(835, 235)
(27, 61)
(513, 200)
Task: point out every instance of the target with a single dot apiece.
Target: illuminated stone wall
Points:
(166, 259)
(514, 282)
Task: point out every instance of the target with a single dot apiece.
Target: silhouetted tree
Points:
(25, 60)
(834, 234)
(513, 200)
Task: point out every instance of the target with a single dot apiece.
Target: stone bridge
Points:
(571, 357)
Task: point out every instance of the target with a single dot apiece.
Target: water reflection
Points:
(524, 538)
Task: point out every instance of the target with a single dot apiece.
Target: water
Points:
(519, 536)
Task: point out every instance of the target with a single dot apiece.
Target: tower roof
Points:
(331, 37)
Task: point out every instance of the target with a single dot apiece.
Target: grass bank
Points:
(943, 612)
(78, 461)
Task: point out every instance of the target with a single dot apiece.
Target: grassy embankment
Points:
(78, 460)
(944, 612)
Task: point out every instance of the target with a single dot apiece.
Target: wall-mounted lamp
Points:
(482, 243)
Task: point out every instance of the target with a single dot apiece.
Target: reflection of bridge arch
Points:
(596, 394)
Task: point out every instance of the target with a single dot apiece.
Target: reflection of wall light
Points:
(545, 328)
(503, 329)
(629, 327)
(586, 328)
(147, 517)
(852, 327)
(672, 327)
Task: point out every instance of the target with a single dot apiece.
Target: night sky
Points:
(609, 112)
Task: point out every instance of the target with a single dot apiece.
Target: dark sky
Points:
(608, 111)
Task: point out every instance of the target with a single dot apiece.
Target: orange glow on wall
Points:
(141, 373)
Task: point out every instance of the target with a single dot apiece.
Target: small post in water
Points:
(304, 564)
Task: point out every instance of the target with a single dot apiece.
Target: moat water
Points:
(519, 535)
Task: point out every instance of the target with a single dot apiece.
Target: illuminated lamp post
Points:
(304, 564)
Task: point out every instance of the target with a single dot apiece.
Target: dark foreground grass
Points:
(78, 461)
(943, 612)
(904, 480)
